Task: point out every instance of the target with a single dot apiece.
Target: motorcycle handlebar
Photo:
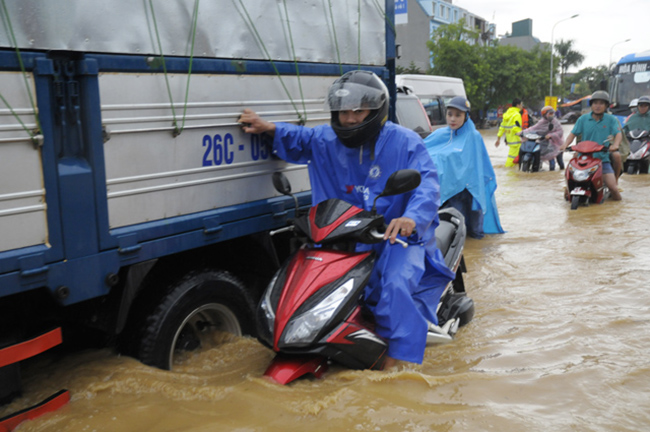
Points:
(380, 236)
(281, 230)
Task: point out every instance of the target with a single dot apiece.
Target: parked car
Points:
(434, 92)
(411, 113)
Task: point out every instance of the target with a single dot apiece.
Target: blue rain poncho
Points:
(463, 163)
(406, 284)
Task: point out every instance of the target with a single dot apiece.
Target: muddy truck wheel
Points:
(189, 313)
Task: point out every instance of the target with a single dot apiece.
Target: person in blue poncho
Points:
(467, 180)
(351, 159)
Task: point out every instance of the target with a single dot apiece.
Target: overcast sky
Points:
(596, 32)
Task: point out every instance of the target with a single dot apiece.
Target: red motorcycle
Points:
(584, 176)
(312, 310)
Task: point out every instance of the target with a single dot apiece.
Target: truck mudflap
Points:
(53, 403)
(10, 356)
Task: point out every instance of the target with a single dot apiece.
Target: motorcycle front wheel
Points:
(575, 202)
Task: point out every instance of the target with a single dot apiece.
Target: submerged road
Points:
(560, 341)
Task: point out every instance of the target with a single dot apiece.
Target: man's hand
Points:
(496, 144)
(252, 123)
(401, 225)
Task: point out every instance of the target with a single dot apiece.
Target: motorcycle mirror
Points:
(281, 183)
(399, 182)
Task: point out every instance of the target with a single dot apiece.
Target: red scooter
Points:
(584, 176)
(312, 311)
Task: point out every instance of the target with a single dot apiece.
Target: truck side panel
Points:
(23, 219)
(212, 163)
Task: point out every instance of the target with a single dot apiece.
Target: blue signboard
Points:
(401, 12)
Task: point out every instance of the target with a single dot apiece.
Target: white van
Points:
(434, 92)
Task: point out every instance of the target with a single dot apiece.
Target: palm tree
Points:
(568, 57)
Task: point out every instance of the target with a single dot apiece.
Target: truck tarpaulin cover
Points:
(245, 29)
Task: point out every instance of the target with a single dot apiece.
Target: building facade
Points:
(417, 21)
(522, 36)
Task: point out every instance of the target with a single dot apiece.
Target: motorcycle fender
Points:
(285, 369)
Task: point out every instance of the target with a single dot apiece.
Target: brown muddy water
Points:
(560, 342)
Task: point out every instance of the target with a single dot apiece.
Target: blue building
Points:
(416, 20)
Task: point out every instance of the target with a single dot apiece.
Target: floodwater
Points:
(560, 342)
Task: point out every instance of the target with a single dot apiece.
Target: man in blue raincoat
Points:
(467, 180)
(351, 159)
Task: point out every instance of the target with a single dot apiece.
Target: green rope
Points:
(189, 72)
(164, 65)
(383, 13)
(32, 134)
(336, 42)
(16, 115)
(295, 60)
(277, 72)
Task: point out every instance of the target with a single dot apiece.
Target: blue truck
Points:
(133, 210)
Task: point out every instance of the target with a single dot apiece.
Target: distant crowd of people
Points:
(597, 126)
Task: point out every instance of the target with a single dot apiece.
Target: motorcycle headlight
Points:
(582, 175)
(266, 313)
(304, 328)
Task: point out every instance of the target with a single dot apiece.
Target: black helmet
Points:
(599, 95)
(357, 90)
(459, 103)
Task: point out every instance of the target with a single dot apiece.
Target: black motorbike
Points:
(533, 150)
(638, 162)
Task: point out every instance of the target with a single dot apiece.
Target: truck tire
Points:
(201, 302)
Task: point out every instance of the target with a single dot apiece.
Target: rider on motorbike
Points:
(351, 159)
(600, 127)
(467, 180)
(640, 119)
(554, 136)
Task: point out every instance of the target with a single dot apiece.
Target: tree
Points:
(412, 69)
(494, 75)
(568, 57)
(588, 80)
(456, 32)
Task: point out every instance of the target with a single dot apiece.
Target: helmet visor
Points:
(347, 96)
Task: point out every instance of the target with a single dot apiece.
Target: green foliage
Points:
(587, 80)
(568, 57)
(412, 69)
(494, 75)
(455, 32)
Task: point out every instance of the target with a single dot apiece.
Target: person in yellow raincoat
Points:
(511, 126)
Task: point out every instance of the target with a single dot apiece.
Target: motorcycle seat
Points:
(444, 235)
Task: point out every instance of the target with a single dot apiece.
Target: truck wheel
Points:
(630, 169)
(200, 303)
